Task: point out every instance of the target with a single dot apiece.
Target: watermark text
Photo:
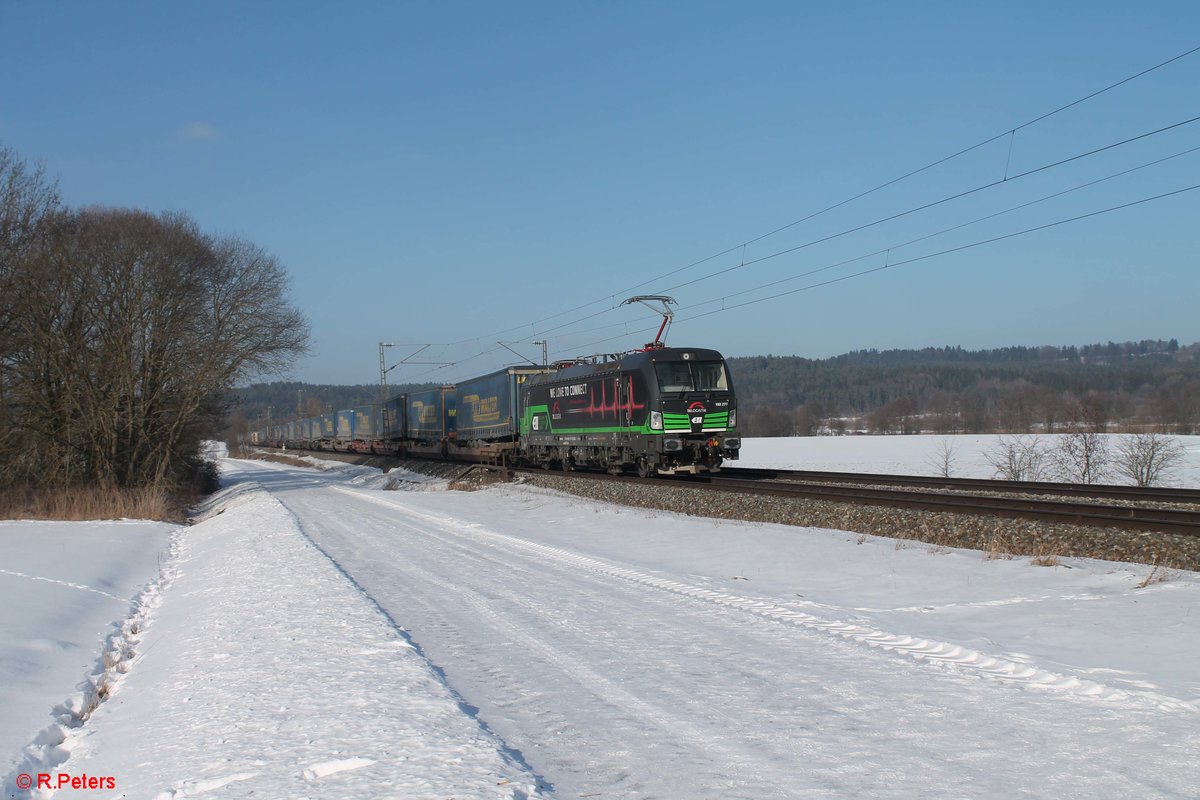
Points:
(64, 780)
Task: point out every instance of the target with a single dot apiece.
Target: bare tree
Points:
(945, 458)
(1081, 457)
(26, 199)
(897, 416)
(1015, 408)
(806, 420)
(974, 410)
(1018, 458)
(129, 329)
(942, 412)
(769, 421)
(1147, 458)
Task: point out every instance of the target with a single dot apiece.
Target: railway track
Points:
(1137, 494)
(1072, 504)
(928, 495)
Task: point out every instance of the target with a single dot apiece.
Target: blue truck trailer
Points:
(430, 415)
(393, 419)
(488, 407)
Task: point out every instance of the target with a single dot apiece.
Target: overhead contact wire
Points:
(950, 250)
(885, 184)
(927, 206)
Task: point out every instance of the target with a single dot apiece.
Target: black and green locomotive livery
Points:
(663, 410)
(660, 411)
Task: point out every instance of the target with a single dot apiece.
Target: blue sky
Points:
(456, 173)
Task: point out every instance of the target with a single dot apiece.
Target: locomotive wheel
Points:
(644, 468)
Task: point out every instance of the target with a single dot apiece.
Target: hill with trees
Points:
(1147, 384)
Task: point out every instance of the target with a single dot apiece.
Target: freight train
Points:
(661, 410)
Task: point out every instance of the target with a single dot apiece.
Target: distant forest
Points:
(1146, 385)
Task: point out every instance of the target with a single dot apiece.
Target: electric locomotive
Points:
(663, 410)
(660, 410)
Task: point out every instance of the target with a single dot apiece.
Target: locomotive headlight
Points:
(656, 420)
(733, 418)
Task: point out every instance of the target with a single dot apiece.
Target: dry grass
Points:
(291, 461)
(999, 546)
(1045, 557)
(1157, 575)
(85, 503)
(475, 479)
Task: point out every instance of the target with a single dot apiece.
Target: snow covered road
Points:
(634, 654)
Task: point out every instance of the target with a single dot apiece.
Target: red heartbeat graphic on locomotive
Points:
(606, 406)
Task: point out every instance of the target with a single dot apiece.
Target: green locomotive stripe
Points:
(679, 422)
(672, 423)
(557, 430)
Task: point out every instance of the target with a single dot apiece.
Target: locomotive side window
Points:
(684, 376)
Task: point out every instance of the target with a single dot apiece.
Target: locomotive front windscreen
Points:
(691, 376)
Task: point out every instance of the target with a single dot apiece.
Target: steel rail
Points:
(1073, 513)
(1141, 494)
(1135, 518)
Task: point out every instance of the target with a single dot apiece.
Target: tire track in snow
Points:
(924, 650)
(667, 727)
(1003, 601)
(506, 752)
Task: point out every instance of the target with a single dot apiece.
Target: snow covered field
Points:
(919, 455)
(62, 584)
(317, 635)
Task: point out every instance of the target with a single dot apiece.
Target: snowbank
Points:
(62, 586)
(266, 673)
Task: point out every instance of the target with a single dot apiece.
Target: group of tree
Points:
(121, 333)
(1084, 456)
(1151, 384)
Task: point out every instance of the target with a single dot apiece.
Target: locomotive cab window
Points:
(687, 376)
(710, 376)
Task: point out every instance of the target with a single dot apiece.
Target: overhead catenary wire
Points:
(950, 229)
(950, 250)
(724, 299)
(933, 204)
(925, 257)
(544, 332)
(613, 298)
(885, 184)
